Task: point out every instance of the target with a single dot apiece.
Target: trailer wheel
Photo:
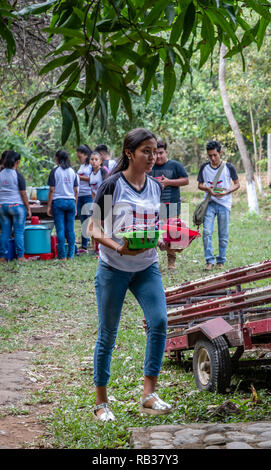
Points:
(212, 364)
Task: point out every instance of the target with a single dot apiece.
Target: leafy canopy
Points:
(105, 47)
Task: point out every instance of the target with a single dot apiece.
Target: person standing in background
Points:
(84, 196)
(14, 205)
(108, 162)
(171, 174)
(219, 205)
(98, 175)
(62, 203)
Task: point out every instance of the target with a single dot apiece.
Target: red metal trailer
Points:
(212, 315)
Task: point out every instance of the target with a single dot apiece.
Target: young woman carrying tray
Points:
(129, 197)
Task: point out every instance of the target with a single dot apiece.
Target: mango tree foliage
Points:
(107, 47)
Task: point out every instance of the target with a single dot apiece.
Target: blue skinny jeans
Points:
(64, 216)
(111, 286)
(12, 216)
(223, 219)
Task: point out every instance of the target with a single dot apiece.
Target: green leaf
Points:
(103, 107)
(98, 69)
(75, 121)
(150, 71)
(114, 99)
(176, 30)
(33, 100)
(263, 10)
(8, 37)
(218, 19)
(79, 13)
(148, 93)
(261, 31)
(74, 78)
(36, 8)
(155, 12)
(42, 111)
(67, 72)
(170, 13)
(126, 99)
(67, 120)
(188, 24)
(59, 62)
(205, 51)
(169, 86)
(69, 32)
(207, 31)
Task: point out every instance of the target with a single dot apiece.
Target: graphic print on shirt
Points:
(211, 182)
(126, 207)
(135, 217)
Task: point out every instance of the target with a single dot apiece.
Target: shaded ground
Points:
(22, 426)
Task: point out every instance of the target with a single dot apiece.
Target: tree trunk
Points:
(256, 158)
(258, 167)
(250, 182)
(269, 158)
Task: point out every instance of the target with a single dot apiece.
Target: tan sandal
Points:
(106, 416)
(159, 407)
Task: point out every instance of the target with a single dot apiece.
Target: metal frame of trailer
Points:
(214, 314)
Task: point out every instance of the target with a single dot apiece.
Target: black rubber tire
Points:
(218, 377)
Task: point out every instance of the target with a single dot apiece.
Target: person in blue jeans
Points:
(14, 205)
(219, 205)
(129, 197)
(84, 196)
(62, 202)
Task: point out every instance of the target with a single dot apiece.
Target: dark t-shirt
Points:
(171, 170)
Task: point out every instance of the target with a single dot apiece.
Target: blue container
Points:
(11, 250)
(43, 193)
(37, 240)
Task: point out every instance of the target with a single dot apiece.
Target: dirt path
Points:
(18, 430)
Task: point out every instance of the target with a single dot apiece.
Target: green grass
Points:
(50, 308)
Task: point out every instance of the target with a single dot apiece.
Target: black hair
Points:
(101, 148)
(213, 145)
(131, 141)
(63, 159)
(3, 157)
(10, 158)
(161, 144)
(86, 150)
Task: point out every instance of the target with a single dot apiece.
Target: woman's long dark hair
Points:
(86, 150)
(63, 159)
(131, 141)
(10, 158)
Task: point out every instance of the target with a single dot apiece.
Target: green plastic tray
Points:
(142, 238)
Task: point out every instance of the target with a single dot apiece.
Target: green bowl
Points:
(141, 238)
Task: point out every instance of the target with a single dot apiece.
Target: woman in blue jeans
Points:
(84, 196)
(14, 205)
(129, 197)
(62, 202)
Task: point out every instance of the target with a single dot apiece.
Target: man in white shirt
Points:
(220, 202)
